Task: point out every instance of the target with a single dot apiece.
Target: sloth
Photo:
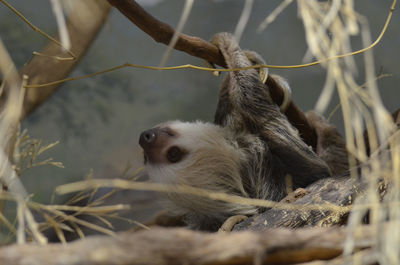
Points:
(251, 149)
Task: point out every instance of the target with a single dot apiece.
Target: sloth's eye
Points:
(174, 154)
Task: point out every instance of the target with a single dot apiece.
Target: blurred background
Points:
(98, 120)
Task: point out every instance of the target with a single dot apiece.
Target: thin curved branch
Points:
(162, 32)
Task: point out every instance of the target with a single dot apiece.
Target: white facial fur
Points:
(212, 162)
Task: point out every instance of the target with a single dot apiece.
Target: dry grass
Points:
(19, 152)
(329, 25)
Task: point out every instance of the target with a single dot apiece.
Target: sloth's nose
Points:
(148, 137)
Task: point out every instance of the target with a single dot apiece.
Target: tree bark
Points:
(182, 246)
(336, 191)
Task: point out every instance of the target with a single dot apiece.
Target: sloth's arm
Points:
(245, 107)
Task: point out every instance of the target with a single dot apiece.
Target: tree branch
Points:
(83, 24)
(162, 32)
(335, 191)
(183, 246)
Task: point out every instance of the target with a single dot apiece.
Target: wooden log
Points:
(183, 246)
(338, 191)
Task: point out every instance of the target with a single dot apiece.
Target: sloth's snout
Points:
(148, 138)
(153, 141)
(156, 143)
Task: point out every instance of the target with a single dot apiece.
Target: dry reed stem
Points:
(184, 17)
(328, 27)
(35, 28)
(273, 15)
(243, 20)
(61, 24)
(10, 116)
(124, 184)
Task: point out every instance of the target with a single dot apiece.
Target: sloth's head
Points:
(202, 155)
(178, 151)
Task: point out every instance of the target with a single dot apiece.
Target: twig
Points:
(185, 189)
(56, 42)
(184, 17)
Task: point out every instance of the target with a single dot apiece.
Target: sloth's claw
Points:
(228, 225)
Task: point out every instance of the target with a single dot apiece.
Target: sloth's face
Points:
(200, 155)
(177, 149)
(172, 142)
(159, 145)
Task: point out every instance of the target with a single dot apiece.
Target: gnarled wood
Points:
(337, 191)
